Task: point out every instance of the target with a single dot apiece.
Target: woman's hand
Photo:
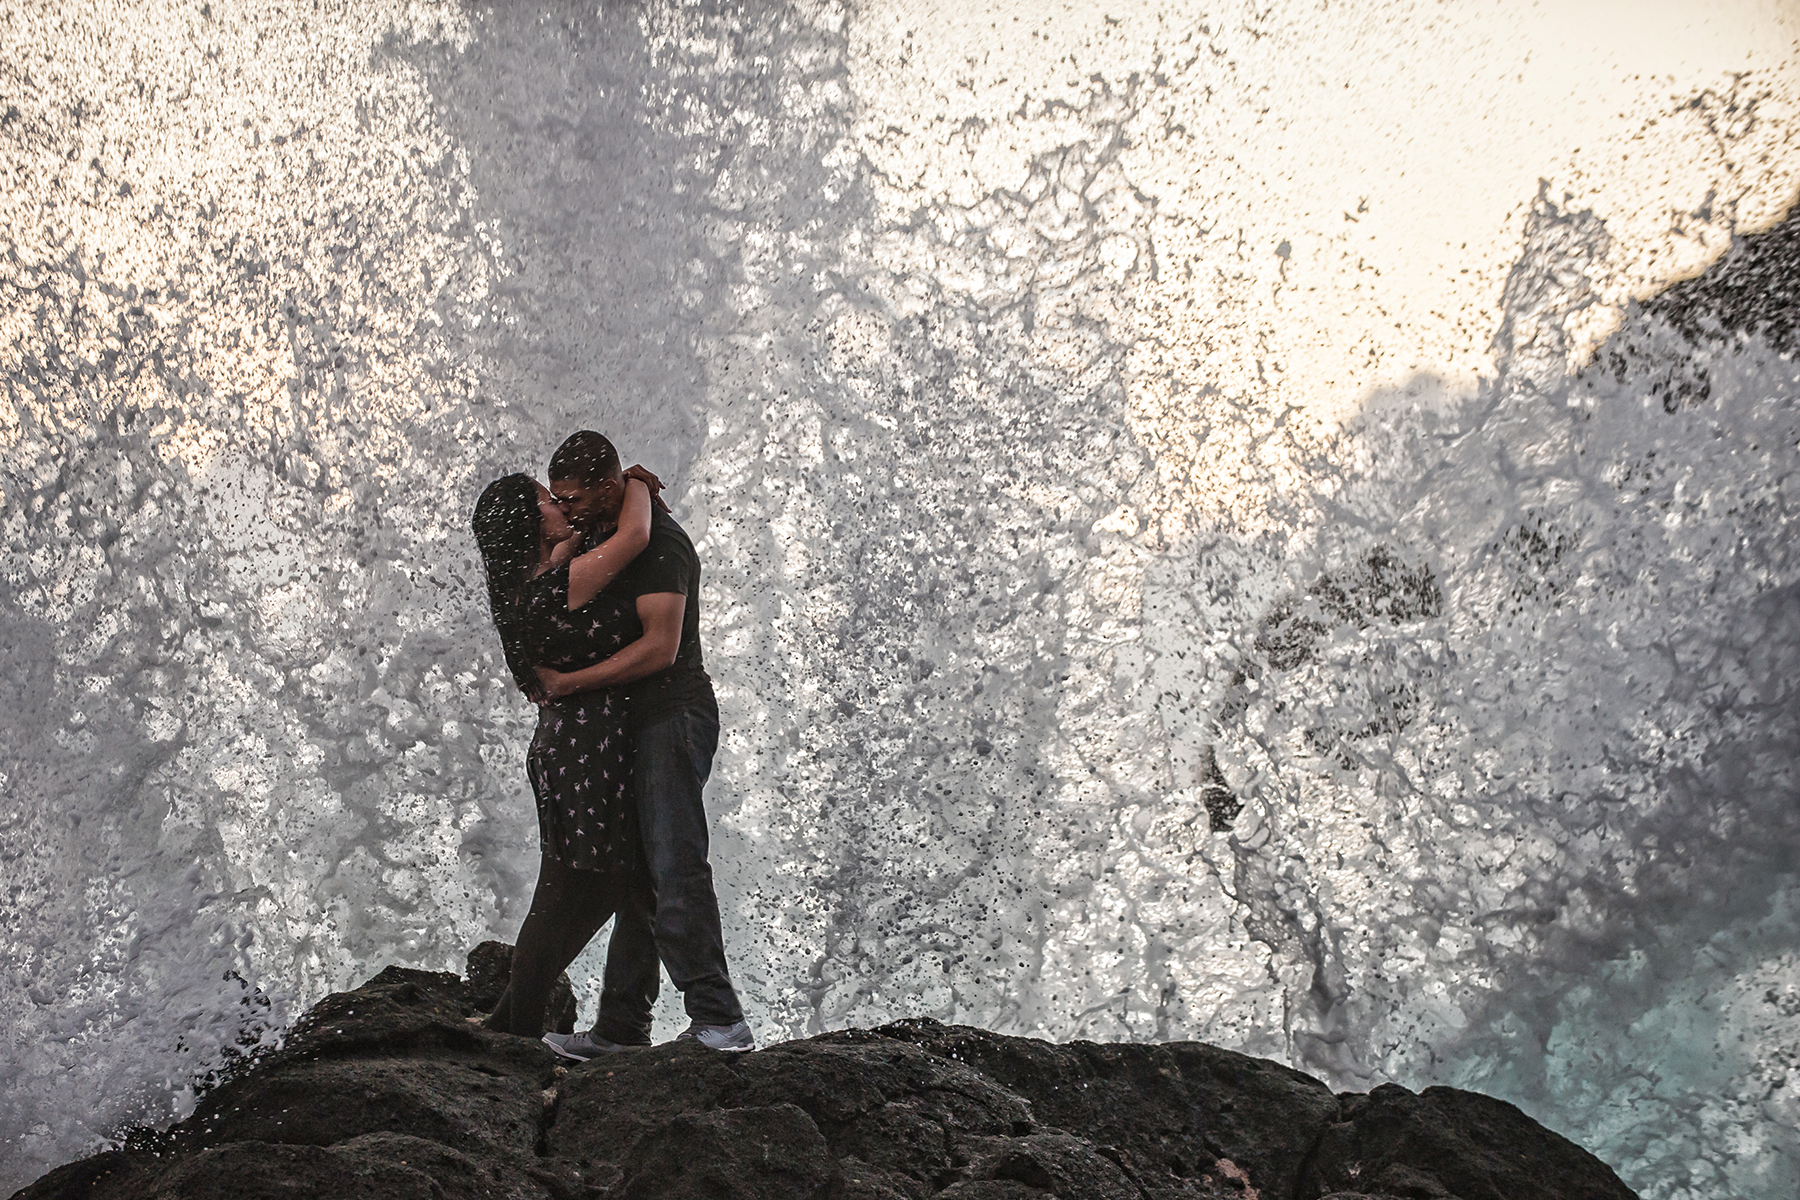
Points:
(640, 472)
(556, 684)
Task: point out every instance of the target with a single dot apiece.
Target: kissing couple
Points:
(595, 592)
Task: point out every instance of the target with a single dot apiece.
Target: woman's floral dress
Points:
(580, 758)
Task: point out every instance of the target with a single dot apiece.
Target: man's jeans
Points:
(674, 758)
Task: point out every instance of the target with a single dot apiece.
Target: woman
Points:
(549, 609)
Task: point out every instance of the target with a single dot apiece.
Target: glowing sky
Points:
(1371, 166)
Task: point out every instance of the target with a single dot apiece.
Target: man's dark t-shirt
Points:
(668, 564)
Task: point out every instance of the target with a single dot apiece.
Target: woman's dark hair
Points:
(507, 524)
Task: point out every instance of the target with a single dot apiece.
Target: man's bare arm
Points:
(660, 613)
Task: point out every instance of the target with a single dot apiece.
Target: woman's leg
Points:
(593, 897)
(500, 1019)
(521, 1007)
(567, 909)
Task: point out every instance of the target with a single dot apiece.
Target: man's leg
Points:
(633, 973)
(674, 759)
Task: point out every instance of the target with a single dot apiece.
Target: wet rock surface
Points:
(389, 1091)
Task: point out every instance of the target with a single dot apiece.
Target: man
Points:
(674, 721)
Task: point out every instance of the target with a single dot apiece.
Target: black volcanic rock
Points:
(730, 1154)
(387, 1166)
(1463, 1143)
(1175, 1109)
(390, 1091)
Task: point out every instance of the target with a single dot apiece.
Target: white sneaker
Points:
(735, 1038)
(582, 1046)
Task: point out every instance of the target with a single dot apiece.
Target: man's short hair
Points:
(585, 457)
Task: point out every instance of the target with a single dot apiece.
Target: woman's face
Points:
(554, 525)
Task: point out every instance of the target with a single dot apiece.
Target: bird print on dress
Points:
(580, 758)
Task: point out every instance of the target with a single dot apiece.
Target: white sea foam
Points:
(1074, 420)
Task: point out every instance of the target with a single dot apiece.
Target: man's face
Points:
(591, 507)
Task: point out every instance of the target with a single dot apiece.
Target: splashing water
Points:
(1079, 679)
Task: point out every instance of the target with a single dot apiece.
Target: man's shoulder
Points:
(667, 564)
(665, 528)
(669, 543)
